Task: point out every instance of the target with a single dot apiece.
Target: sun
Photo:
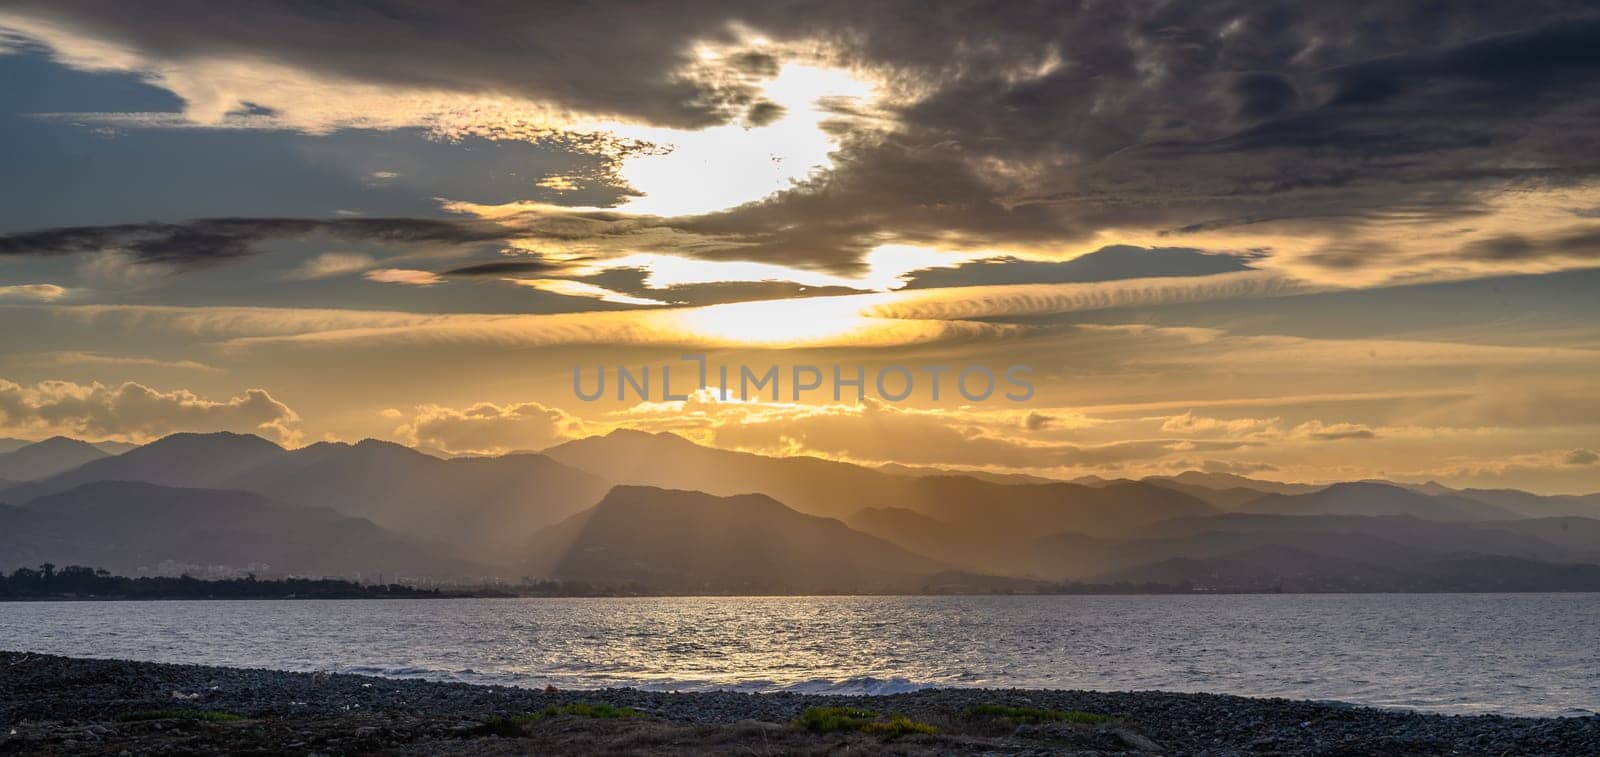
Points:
(780, 323)
(720, 167)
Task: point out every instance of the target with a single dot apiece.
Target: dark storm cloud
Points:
(764, 113)
(503, 268)
(1107, 264)
(211, 240)
(1259, 95)
(1038, 123)
(618, 59)
(636, 282)
(1194, 118)
(1579, 244)
(1508, 67)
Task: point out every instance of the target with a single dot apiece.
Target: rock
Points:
(1137, 741)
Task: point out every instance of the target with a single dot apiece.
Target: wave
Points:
(857, 686)
(853, 686)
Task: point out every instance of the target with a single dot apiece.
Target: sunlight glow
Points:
(581, 289)
(724, 166)
(814, 320)
(886, 269)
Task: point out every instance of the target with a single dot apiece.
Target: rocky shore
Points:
(60, 705)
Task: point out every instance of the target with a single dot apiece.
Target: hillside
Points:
(1366, 498)
(482, 507)
(46, 458)
(132, 527)
(691, 541)
(837, 490)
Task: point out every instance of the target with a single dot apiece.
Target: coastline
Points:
(58, 705)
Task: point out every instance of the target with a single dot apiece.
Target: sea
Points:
(1514, 654)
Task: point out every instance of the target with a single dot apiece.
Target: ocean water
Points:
(1522, 654)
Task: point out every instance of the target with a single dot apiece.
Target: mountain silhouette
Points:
(1234, 481)
(689, 518)
(180, 460)
(1534, 505)
(46, 458)
(1283, 568)
(1380, 540)
(129, 526)
(1366, 498)
(692, 541)
(483, 507)
(837, 490)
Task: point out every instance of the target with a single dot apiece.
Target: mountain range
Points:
(124, 526)
(482, 508)
(37, 460)
(658, 512)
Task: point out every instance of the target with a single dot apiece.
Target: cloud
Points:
(832, 321)
(558, 183)
(503, 268)
(389, 67)
(1105, 264)
(485, 428)
(212, 240)
(1296, 132)
(218, 323)
(34, 292)
(1192, 348)
(580, 289)
(118, 361)
(1238, 468)
(408, 276)
(1191, 424)
(333, 264)
(1582, 457)
(1335, 432)
(136, 412)
(1043, 299)
(1037, 421)
(874, 432)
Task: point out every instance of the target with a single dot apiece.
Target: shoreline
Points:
(930, 595)
(51, 704)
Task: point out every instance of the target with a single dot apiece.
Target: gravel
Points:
(51, 704)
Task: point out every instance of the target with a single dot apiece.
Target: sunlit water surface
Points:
(1527, 654)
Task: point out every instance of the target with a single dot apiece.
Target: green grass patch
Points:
(836, 719)
(513, 726)
(580, 710)
(898, 725)
(1037, 715)
(830, 719)
(208, 716)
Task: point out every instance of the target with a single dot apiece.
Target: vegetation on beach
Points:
(1037, 715)
(208, 716)
(898, 725)
(834, 719)
(581, 710)
(512, 726)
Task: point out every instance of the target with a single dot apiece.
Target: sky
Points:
(1305, 242)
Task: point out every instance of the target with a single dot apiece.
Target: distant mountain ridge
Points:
(479, 506)
(131, 526)
(644, 509)
(1280, 568)
(1362, 498)
(47, 458)
(692, 541)
(837, 490)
